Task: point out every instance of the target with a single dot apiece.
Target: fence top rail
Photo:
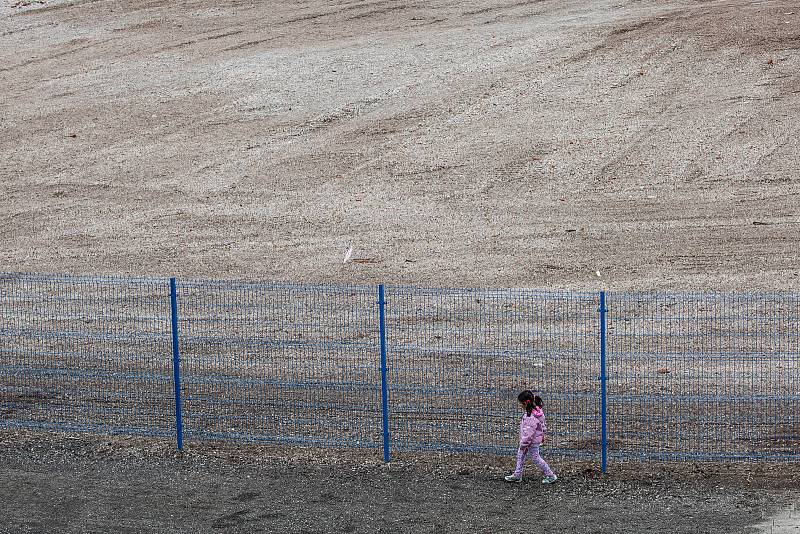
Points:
(294, 286)
(488, 291)
(85, 278)
(399, 288)
(180, 282)
(748, 294)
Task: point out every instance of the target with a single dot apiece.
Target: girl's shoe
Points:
(549, 480)
(513, 478)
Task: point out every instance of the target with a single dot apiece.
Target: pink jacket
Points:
(532, 428)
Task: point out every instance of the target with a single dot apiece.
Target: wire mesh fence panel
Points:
(280, 362)
(458, 358)
(689, 376)
(704, 376)
(85, 353)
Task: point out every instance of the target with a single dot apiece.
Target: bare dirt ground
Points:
(483, 142)
(52, 483)
(496, 143)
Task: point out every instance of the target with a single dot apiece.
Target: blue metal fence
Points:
(704, 375)
(655, 376)
(458, 358)
(83, 354)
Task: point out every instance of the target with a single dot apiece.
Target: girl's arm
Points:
(526, 435)
(544, 430)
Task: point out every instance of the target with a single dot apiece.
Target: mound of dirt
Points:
(489, 142)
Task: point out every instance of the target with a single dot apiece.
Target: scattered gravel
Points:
(67, 483)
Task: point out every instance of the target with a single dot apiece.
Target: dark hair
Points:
(530, 400)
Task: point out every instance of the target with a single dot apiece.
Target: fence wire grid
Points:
(702, 376)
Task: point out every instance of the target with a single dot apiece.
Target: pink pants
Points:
(533, 452)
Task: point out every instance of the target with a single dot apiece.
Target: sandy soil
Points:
(484, 142)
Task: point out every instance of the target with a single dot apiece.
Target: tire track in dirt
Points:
(203, 40)
(384, 11)
(504, 7)
(25, 29)
(57, 7)
(58, 55)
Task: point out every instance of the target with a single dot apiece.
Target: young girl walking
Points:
(531, 435)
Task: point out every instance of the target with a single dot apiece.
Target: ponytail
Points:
(528, 399)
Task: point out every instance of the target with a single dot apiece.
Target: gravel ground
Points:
(66, 483)
(484, 142)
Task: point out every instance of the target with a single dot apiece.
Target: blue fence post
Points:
(603, 437)
(384, 387)
(176, 362)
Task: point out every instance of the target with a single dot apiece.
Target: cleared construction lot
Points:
(523, 144)
(624, 145)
